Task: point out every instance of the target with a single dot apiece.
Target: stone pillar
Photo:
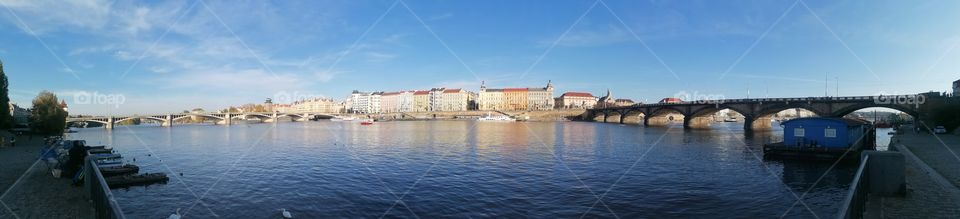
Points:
(690, 122)
(605, 118)
(109, 124)
(227, 118)
(167, 120)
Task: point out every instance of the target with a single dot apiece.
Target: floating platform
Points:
(780, 150)
(136, 180)
(125, 169)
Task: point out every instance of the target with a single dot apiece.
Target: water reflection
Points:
(469, 169)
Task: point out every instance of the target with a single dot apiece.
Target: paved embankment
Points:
(932, 174)
(30, 191)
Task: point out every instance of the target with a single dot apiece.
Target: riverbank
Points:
(30, 191)
(931, 176)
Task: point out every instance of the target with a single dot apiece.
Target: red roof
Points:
(423, 92)
(671, 100)
(390, 93)
(447, 91)
(577, 94)
(515, 89)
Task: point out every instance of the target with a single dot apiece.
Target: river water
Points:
(464, 169)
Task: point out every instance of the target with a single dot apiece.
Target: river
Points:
(464, 169)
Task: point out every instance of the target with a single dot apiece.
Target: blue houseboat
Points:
(824, 137)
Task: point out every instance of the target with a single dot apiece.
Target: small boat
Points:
(490, 117)
(126, 169)
(366, 122)
(731, 120)
(891, 133)
(134, 180)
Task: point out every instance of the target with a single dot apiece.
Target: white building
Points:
(364, 102)
(956, 88)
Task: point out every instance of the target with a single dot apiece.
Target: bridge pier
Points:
(227, 119)
(167, 121)
(109, 124)
(691, 122)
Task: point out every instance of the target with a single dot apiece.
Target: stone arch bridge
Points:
(759, 112)
(220, 118)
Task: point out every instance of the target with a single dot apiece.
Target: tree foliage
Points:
(6, 119)
(47, 117)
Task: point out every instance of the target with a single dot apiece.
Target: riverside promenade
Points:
(30, 191)
(932, 175)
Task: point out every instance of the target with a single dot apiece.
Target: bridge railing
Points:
(854, 204)
(104, 204)
(744, 100)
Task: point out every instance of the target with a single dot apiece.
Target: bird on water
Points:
(285, 213)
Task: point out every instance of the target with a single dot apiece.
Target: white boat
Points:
(337, 119)
(490, 117)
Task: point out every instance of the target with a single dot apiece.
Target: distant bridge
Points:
(220, 118)
(758, 112)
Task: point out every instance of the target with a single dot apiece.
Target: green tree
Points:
(47, 117)
(6, 120)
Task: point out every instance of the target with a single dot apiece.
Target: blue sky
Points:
(167, 56)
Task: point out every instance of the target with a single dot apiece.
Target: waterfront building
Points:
(455, 100)
(624, 102)
(671, 100)
(606, 100)
(421, 101)
(956, 88)
(515, 98)
(365, 102)
(436, 98)
(282, 108)
(575, 100)
(490, 99)
(390, 102)
(406, 101)
(540, 98)
(315, 105)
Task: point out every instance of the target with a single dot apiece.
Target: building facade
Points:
(362, 102)
(575, 100)
(455, 100)
(421, 101)
(390, 102)
(516, 99)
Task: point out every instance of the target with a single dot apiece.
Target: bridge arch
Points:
(853, 108)
(663, 115)
(87, 120)
(161, 121)
(189, 116)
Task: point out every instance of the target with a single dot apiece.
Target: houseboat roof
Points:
(848, 121)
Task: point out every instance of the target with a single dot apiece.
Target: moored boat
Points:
(134, 180)
(502, 118)
(125, 169)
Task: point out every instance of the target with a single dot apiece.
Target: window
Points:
(830, 133)
(798, 132)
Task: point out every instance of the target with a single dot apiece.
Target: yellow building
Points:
(421, 101)
(515, 98)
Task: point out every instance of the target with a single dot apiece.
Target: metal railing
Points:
(854, 204)
(104, 204)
